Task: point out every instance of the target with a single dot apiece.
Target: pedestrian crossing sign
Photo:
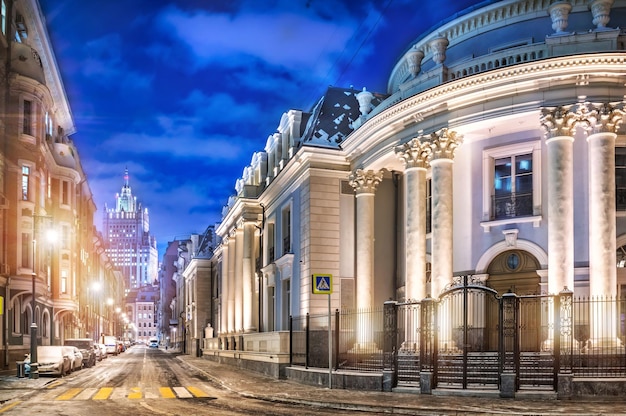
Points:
(322, 284)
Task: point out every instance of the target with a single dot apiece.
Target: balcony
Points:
(512, 205)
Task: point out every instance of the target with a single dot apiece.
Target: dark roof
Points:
(333, 116)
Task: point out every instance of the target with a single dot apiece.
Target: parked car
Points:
(85, 345)
(76, 357)
(51, 360)
(97, 352)
(103, 350)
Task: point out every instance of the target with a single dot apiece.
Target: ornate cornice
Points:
(428, 102)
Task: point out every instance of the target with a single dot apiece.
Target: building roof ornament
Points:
(559, 13)
(601, 10)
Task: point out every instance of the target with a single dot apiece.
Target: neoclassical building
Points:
(498, 150)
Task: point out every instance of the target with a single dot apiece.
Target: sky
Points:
(183, 92)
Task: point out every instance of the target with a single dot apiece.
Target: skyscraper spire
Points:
(125, 200)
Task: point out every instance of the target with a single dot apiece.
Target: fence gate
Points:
(467, 345)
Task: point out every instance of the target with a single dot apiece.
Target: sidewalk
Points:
(13, 387)
(258, 386)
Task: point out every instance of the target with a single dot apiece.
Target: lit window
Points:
(25, 183)
(513, 187)
(3, 16)
(511, 183)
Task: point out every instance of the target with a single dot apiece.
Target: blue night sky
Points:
(183, 92)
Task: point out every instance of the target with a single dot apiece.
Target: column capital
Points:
(365, 181)
(562, 120)
(443, 144)
(605, 118)
(414, 153)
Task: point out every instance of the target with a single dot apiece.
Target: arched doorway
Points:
(514, 271)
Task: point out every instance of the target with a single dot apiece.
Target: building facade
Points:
(496, 151)
(44, 191)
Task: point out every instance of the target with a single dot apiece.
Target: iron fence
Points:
(470, 337)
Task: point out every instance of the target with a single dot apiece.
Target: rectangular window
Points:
(3, 14)
(270, 243)
(26, 245)
(25, 183)
(620, 178)
(65, 237)
(286, 228)
(65, 193)
(28, 117)
(513, 186)
(63, 281)
(49, 124)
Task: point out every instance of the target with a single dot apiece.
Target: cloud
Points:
(280, 39)
(105, 64)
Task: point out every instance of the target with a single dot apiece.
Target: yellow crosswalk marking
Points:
(103, 394)
(197, 392)
(69, 395)
(135, 393)
(167, 393)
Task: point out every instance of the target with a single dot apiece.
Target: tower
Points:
(130, 246)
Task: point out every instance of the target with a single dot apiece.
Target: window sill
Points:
(535, 219)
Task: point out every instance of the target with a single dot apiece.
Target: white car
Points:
(51, 360)
(97, 351)
(103, 350)
(75, 356)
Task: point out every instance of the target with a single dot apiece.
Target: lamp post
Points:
(34, 366)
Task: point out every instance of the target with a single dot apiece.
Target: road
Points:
(144, 381)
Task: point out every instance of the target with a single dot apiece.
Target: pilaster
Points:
(365, 183)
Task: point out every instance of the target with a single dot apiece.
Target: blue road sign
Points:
(322, 284)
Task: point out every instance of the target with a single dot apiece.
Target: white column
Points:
(231, 283)
(365, 183)
(443, 145)
(248, 277)
(414, 155)
(602, 233)
(602, 227)
(224, 295)
(239, 279)
(557, 124)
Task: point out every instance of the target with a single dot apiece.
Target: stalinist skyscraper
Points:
(130, 246)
